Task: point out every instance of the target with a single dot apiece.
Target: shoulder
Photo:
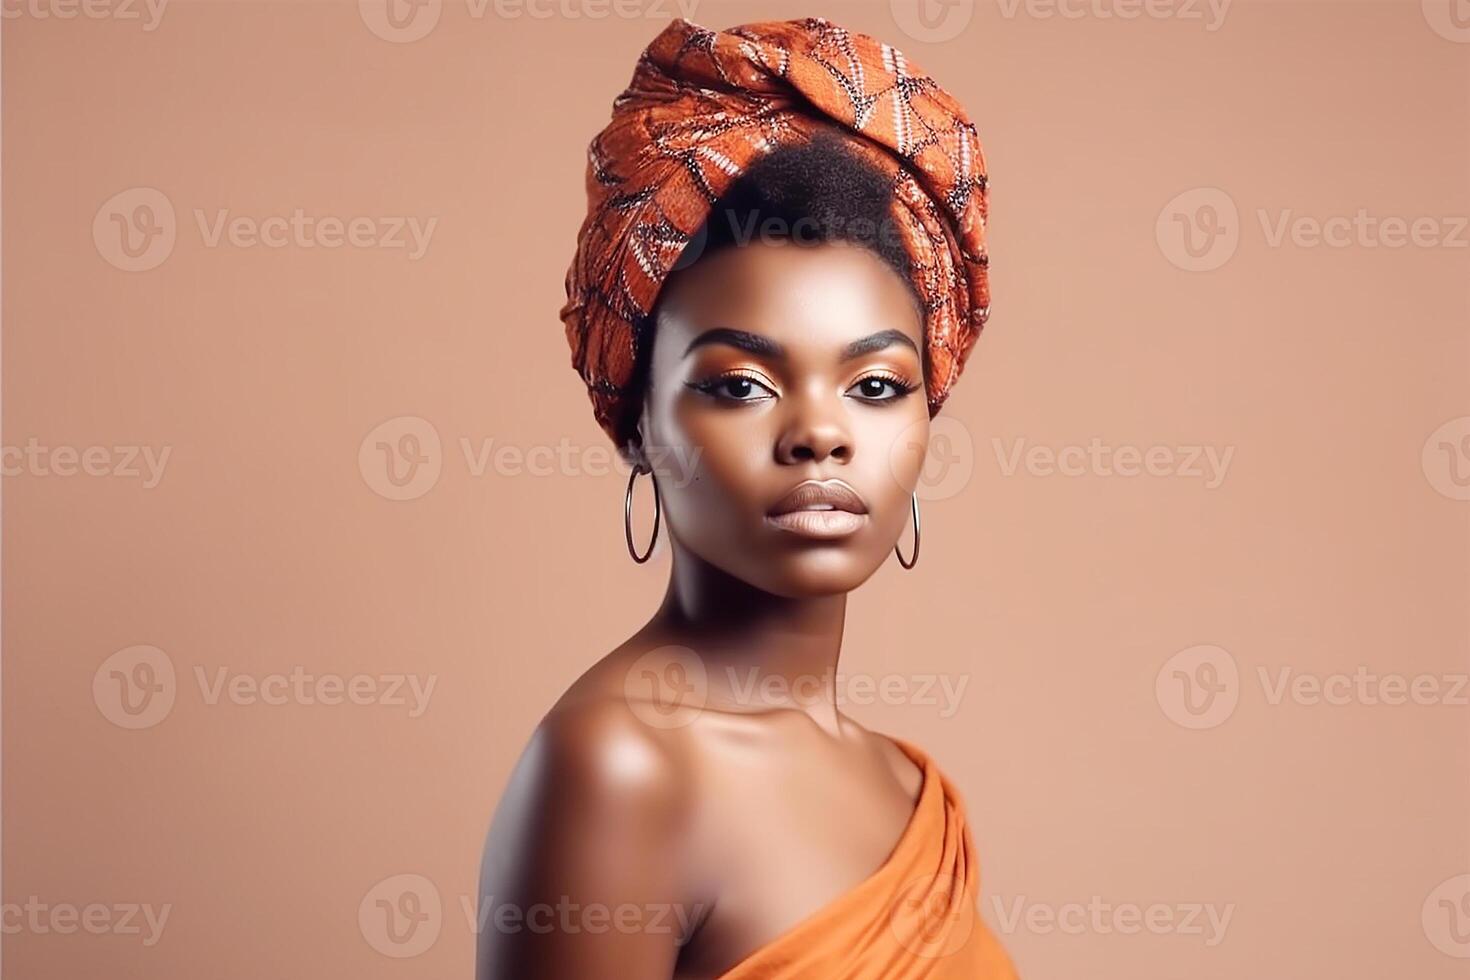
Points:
(594, 817)
(907, 761)
(593, 760)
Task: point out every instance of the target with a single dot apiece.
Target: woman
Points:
(781, 275)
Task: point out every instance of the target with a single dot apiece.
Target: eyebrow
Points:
(877, 341)
(764, 346)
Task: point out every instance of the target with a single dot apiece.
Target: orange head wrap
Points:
(702, 106)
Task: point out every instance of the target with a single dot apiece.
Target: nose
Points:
(814, 433)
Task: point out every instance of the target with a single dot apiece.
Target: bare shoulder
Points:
(601, 750)
(593, 765)
(908, 773)
(592, 821)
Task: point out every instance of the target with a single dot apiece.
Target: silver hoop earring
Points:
(913, 558)
(628, 515)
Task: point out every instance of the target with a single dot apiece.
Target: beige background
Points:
(1336, 541)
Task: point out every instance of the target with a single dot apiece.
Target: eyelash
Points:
(710, 386)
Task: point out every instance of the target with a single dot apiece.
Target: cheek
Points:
(901, 439)
(729, 455)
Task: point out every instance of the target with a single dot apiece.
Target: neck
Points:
(760, 650)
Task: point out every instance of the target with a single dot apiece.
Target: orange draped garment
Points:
(915, 918)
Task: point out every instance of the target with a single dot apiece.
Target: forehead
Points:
(812, 297)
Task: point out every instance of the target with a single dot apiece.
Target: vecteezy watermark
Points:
(778, 230)
(1201, 686)
(1198, 687)
(41, 918)
(670, 686)
(933, 915)
(1446, 458)
(148, 12)
(932, 21)
(1363, 229)
(404, 914)
(137, 687)
(1450, 19)
(1446, 916)
(1210, 13)
(298, 686)
(1100, 917)
(401, 916)
(571, 917)
(402, 459)
(1362, 686)
(667, 687)
(405, 21)
(1197, 462)
(943, 452)
(145, 463)
(948, 459)
(1199, 230)
(136, 229)
(672, 465)
(750, 686)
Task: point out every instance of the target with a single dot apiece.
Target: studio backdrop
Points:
(307, 519)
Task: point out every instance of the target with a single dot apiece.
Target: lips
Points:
(820, 509)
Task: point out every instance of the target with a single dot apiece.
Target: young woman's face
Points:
(775, 365)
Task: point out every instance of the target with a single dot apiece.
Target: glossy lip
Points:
(820, 509)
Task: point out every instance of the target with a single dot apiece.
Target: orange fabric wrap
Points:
(915, 918)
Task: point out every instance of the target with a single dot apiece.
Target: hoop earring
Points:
(913, 558)
(628, 515)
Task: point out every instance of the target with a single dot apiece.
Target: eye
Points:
(881, 388)
(734, 388)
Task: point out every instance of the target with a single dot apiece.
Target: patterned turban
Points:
(701, 107)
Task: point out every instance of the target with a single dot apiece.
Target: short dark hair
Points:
(812, 192)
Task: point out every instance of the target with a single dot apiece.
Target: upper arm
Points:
(581, 876)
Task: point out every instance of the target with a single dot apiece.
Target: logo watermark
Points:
(1200, 229)
(41, 918)
(948, 460)
(406, 21)
(1208, 464)
(144, 463)
(401, 916)
(1446, 916)
(670, 686)
(148, 13)
(137, 688)
(1200, 687)
(932, 21)
(1450, 19)
(1446, 459)
(403, 458)
(1101, 917)
(569, 917)
(1209, 13)
(933, 916)
(1362, 229)
(944, 452)
(136, 230)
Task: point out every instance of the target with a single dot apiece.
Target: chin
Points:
(819, 571)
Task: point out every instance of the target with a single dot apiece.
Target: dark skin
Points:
(716, 834)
